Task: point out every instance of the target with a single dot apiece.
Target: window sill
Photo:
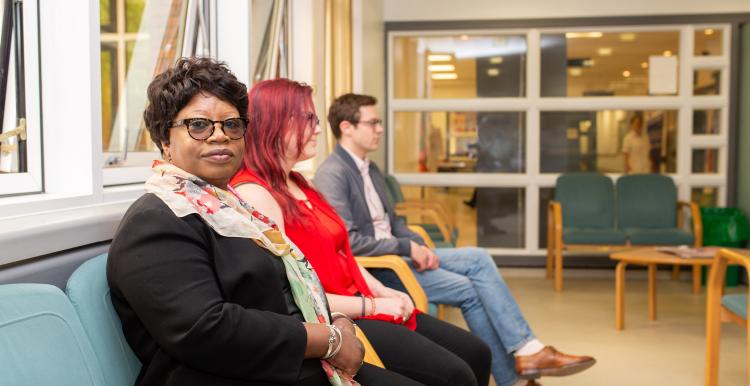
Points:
(71, 224)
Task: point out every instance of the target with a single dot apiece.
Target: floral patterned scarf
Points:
(230, 216)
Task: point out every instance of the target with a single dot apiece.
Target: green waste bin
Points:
(725, 227)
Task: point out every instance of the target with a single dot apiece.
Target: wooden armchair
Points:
(434, 216)
(723, 308)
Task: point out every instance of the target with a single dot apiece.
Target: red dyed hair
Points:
(277, 110)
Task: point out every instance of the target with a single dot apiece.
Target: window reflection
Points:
(705, 160)
(708, 42)
(706, 121)
(596, 63)
(139, 39)
(451, 141)
(707, 82)
(597, 140)
(706, 196)
(485, 217)
(465, 66)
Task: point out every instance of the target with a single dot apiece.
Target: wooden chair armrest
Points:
(695, 217)
(434, 205)
(714, 292)
(423, 234)
(371, 356)
(433, 218)
(716, 276)
(399, 266)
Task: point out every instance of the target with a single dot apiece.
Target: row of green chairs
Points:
(591, 213)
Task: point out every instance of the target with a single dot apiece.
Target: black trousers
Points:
(368, 375)
(437, 353)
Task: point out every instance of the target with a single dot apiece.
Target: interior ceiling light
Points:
(575, 71)
(445, 76)
(604, 51)
(627, 36)
(626, 74)
(667, 53)
(493, 71)
(644, 64)
(708, 31)
(441, 67)
(464, 37)
(439, 57)
(577, 35)
(496, 59)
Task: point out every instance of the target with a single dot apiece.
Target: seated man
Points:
(462, 277)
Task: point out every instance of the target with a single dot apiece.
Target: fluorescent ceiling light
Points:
(496, 59)
(667, 53)
(493, 71)
(439, 57)
(708, 31)
(604, 51)
(575, 71)
(441, 67)
(445, 76)
(576, 35)
(627, 36)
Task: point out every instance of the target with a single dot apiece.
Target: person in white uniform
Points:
(636, 148)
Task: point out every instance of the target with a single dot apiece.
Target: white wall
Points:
(402, 10)
(369, 77)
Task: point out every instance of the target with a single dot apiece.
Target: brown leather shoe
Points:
(550, 362)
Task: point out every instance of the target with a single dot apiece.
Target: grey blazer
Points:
(339, 180)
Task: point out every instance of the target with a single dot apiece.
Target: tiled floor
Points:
(668, 351)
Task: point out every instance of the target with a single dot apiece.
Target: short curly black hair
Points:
(171, 90)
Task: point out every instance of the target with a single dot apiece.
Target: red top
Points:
(324, 241)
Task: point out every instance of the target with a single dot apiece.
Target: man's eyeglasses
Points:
(201, 129)
(372, 122)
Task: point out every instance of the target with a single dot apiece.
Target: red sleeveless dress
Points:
(323, 239)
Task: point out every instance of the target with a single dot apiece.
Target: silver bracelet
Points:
(338, 315)
(338, 347)
(334, 332)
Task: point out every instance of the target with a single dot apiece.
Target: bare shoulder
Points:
(254, 194)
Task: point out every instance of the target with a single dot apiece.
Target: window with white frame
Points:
(140, 39)
(507, 110)
(20, 134)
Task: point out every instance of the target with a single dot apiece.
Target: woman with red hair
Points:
(282, 131)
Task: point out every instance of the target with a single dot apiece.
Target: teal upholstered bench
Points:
(48, 338)
(42, 341)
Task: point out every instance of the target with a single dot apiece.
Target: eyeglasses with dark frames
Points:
(201, 129)
(372, 122)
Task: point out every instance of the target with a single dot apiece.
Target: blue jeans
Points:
(468, 278)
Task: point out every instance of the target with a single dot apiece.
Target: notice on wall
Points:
(662, 74)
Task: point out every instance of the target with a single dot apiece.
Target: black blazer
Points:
(199, 308)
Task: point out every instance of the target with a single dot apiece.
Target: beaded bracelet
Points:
(363, 313)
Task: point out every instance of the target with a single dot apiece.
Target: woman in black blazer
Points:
(208, 291)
